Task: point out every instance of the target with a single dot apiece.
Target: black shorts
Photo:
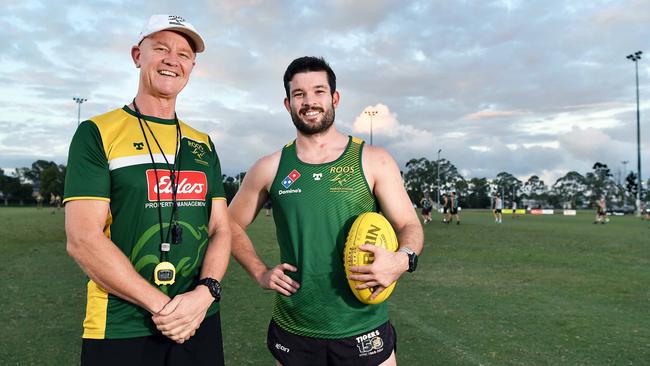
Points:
(445, 209)
(368, 348)
(497, 210)
(204, 348)
(426, 211)
(453, 211)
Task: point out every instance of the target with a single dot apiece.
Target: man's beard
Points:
(312, 129)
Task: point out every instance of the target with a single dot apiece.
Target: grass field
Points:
(548, 290)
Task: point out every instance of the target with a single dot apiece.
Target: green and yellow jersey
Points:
(109, 161)
(314, 206)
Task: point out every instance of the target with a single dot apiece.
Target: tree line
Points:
(46, 178)
(573, 190)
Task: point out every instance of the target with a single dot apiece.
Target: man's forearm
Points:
(244, 253)
(411, 236)
(217, 255)
(107, 266)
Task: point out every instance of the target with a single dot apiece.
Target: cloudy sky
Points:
(527, 87)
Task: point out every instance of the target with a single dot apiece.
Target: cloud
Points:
(585, 144)
(385, 123)
(492, 114)
(526, 85)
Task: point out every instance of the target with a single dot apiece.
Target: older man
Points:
(146, 217)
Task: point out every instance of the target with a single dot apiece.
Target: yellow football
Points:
(368, 228)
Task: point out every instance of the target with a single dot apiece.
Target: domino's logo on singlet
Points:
(288, 181)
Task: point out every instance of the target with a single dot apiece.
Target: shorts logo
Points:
(282, 348)
(317, 176)
(290, 179)
(370, 344)
(191, 185)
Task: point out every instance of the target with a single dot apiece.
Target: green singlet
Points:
(109, 161)
(314, 206)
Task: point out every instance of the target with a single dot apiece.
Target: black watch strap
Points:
(413, 258)
(213, 285)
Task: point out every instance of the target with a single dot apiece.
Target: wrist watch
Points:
(213, 285)
(413, 258)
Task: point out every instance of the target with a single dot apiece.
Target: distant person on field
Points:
(514, 209)
(454, 208)
(55, 202)
(601, 211)
(645, 211)
(427, 205)
(146, 217)
(319, 183)
(267, 208)
(498, 207)
(445, 208)
(39, 201)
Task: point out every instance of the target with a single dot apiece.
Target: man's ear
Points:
(135, 55)
(287, 105)
(335, 99)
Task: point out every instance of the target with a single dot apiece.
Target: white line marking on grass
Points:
(452, 344)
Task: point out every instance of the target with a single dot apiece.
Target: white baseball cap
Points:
(160, 22)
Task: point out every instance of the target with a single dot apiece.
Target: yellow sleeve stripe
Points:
(218, 198)
(86, 198)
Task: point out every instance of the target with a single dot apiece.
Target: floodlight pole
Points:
(438, 178)
(624, 162)
(635, 57)
(371, 113)
(79, 100)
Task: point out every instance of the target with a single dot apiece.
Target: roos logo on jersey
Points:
(192, 185)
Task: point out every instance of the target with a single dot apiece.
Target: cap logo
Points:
(176, 20)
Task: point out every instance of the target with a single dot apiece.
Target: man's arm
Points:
(183, 315)
(243, 210)
(102, 260)
(383, 176)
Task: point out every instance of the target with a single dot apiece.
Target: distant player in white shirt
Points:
(498, 207)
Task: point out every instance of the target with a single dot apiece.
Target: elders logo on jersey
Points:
(290, 179)
(192, 185)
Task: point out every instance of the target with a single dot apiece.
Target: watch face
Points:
(214, 287)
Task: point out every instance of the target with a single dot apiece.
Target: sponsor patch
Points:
(290, 179)
(192, 185)
(289, 191)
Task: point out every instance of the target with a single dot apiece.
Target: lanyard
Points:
(174, 172)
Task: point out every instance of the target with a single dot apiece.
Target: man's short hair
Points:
(308, 64)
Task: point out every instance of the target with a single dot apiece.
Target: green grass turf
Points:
(543, 290)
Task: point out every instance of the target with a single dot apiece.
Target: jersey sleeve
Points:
(87, 174)
(215, 180)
